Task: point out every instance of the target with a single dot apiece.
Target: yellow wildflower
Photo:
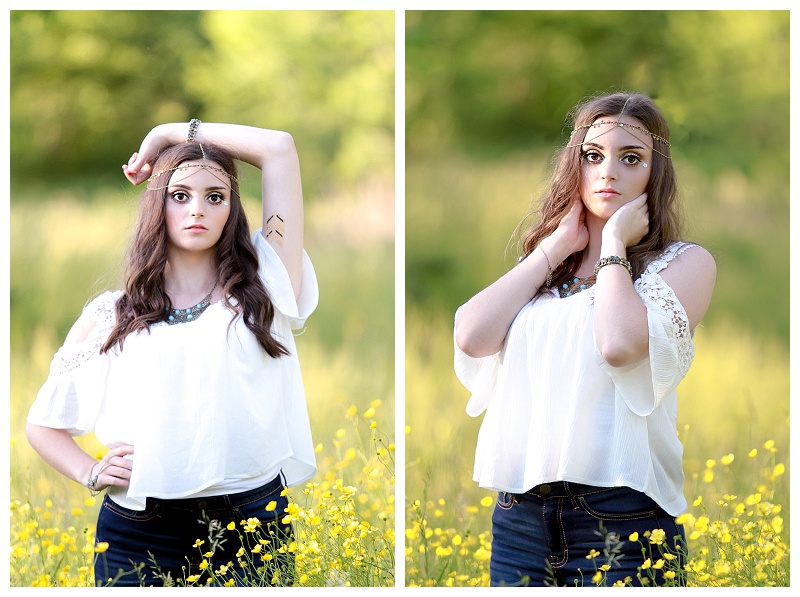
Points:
(101, 546)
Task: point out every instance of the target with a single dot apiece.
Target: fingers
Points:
(137, 170)
(115, 468)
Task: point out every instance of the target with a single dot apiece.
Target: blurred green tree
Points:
(86, 86)
(500, 80)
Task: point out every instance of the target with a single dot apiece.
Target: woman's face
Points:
(198, 206)
(615, 165)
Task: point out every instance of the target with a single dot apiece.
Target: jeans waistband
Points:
(216, 502)
(563, 489)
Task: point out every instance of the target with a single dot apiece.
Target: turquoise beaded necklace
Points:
(176, 316)
(577, 285)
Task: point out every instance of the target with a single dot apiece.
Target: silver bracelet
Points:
(92, 482)
(613, 259)
(193, 124)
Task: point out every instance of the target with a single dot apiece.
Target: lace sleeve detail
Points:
(662, 261)
(94, 325)
(643, 385)
(72, 395)
(653, 290)
(657, 294)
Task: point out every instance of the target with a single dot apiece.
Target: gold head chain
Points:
(186, 167)
(624, 125)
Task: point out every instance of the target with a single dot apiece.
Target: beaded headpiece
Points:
(624, 125)
(185, 166)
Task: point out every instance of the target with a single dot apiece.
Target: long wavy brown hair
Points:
(662, 205)
(145, 300)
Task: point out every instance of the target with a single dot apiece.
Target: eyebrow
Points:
(188, 188)
(623, 148)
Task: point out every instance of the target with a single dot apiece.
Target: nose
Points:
(608, 170)
(197, 207)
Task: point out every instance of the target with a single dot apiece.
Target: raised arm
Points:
(483, 322)
(273, 152)
(620, 317)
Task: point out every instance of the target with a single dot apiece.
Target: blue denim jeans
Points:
(543, 537)
(168, 533)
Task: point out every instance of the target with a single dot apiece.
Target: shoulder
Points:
(688, 259)
(98, 317)
(691, 274)
(102, 305)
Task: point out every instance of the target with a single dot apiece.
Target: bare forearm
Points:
(253, 145)
(483, 322)
(59, 450)
(620, 317)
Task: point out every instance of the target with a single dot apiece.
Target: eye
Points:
(592, 157)
(180, 197)
(215, 199)
(631, 159)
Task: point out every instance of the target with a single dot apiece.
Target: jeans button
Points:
(202, 504)
(545, 489)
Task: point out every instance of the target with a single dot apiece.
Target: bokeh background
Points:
(487, 93)
(86, 86)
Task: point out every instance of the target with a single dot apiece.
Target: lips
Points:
(197, 228)
(607, 193)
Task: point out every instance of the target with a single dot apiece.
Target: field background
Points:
(88, 85)
(486, 96)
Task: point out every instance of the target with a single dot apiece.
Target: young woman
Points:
(189, 374)
(575, 355)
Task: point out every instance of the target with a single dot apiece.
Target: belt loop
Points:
(284, 482)
(575, 504)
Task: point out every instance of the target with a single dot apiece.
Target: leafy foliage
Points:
(86, 86)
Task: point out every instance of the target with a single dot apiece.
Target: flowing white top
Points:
(205, 408)
(556, 411)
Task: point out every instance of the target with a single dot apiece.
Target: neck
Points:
(189, 277)
(592, 251)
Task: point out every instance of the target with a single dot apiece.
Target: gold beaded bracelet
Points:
(613, 259)
(549, 279)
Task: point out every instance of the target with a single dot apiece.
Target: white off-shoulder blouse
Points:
(205, 408)
(556, 411)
